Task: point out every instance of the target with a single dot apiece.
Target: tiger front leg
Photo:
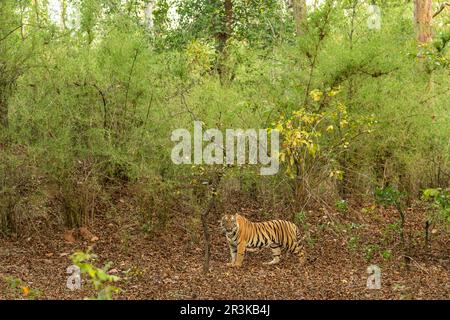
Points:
(302, 257)
(300, 251)
(233, 250)
(240, 254)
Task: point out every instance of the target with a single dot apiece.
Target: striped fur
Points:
(278, 235)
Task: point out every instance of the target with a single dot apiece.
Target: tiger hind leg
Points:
(276, 253)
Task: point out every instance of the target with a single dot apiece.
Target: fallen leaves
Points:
(87, 235)
(163, 267)
(70, 236)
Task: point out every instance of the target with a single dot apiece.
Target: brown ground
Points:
(168, 265)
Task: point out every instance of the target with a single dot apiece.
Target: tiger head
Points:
(228, 223)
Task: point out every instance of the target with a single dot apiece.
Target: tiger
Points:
(243, 234)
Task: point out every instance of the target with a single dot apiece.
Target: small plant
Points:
(386, 254)
(20, 289)
(439, 206)
(390, 196)
(392, 229)
(440, 203)
(148, 227)
(353, 243)
(98, 277)
(300, 218)
(341, 205)
(370, 251)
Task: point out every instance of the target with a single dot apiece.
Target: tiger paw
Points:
(302, 260)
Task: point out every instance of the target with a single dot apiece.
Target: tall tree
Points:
(63, 14)
(226, 30)
(423, 15)
(300, 15)
(148, 12)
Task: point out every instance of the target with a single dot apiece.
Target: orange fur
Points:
(276, 234)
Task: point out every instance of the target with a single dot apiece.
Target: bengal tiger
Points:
(244, 234)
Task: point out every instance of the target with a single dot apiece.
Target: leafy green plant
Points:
(352, 243)
(99, 278)
(387, 196)
(370, 251)
(390, 196)
(300, 217)
(341, 205)
(18, 288)
(386, 254)
(439, 202)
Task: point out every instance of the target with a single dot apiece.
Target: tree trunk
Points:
(63, 14)
(37, 11)
(225, 33)
(204, 218)
(223, 37)
(427, 234)
(148, 12)
(299, 10)
(423, 15)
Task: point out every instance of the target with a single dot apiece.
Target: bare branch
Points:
(441, 8)
(10, 33)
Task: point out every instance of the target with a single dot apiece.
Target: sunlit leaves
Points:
(200, 56)
(98, 277)
(440, 199)
(316, 95)
(310, 134)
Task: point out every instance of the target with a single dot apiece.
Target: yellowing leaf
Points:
(25, 291)
(316, 94)
(343, 123)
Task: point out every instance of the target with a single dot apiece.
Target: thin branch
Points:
(441, 8)
(136, 52)
(104, 104)
(183, 101)
(10, 33)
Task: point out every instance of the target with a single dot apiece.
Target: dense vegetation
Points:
(88, 102)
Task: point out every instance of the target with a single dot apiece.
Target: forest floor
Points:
(168, 264)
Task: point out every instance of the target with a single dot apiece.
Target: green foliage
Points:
(300, 218)
(370, 251)
(90, 109)
(440, 200)
(386, 254)
(342, 205)
(99, 278)
(200, 57)
(19, 289)
(352, 243)
(259, 22)
(388, 196)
